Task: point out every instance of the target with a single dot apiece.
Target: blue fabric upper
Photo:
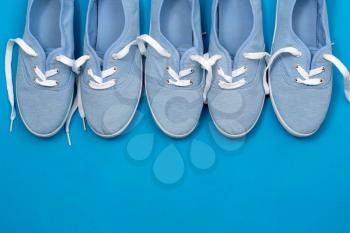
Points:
(111, 25)
(175, 109)
(49, 31)
(303, 25)
(235, 112)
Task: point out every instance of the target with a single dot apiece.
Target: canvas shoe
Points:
(110, 86)
(300, 69)
(45, 81)
(234, 91)
(174, 79)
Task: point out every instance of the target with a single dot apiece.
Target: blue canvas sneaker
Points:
(45, 81)
(174, 79)
(300, 69)
(110, 86)
(234, 91)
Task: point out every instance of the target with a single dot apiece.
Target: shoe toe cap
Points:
(235, 112)
(44, 112)
(176, 112)
(109, 112)
(302, 111)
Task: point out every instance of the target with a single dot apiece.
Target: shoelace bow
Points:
(307, 78)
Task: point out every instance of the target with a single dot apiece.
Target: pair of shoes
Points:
(177, 85)
(110, 72)
(236, 67)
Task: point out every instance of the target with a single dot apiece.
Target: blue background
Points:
(268, 182)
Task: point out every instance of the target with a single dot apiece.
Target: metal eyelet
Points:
(323, 68)
(297, 66)
(57, 83)
(57, 71)
(168, 81)
(167, 68)
(321, 81)
(115, 68)
(35, 67)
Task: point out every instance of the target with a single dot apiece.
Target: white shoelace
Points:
(227, 81)
(207, 64)
(98, 82)
(307, 78)
(43, 78)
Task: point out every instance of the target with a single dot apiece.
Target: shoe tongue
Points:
(49, 50)
(182, 51)
(232, 61)
(51, 53)
(100, 55)
(100, 62)
(313, 51)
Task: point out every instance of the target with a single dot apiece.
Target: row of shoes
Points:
(233, 78)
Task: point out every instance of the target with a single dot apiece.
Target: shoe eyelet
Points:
(323, 68)
(321, 81)
(57, 71)
(192, 70)
(115, 68)
(57, 83)
(297, 66)
(167, 68)
(168, 81)
(35, 67)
